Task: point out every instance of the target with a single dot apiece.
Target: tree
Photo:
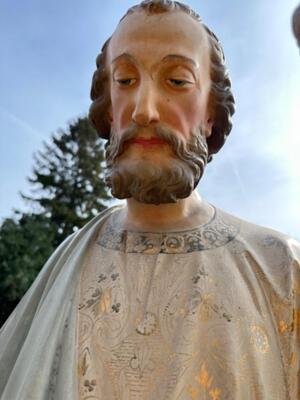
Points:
(68, 178)
(25, 245)
(68, 189)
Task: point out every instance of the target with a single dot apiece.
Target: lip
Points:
(147, 142)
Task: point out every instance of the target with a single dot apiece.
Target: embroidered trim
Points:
(218, 232)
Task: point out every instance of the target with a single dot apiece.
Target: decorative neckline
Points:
(215, 233)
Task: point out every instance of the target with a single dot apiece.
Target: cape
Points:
(39, 343)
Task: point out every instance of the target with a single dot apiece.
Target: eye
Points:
(178, 82)
(125, 82)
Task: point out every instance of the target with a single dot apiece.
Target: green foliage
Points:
(68, 178)
(68, 189)
(25, 245)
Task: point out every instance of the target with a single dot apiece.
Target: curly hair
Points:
(220, 102)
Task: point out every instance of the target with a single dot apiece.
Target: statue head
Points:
(163, 74)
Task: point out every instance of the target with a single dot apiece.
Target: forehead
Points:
(155, 36)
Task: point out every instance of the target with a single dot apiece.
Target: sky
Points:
(48, 52)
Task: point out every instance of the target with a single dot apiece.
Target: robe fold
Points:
(208, 313)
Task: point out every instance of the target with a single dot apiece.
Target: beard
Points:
(150, 182)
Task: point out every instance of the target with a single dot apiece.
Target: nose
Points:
(145, 110)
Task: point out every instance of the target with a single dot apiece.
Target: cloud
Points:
(21, 124)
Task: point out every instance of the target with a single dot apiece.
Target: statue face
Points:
(159, 86)
(159, 76)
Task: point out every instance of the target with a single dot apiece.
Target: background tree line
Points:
(67, 190)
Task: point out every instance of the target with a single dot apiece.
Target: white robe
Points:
(209, 313)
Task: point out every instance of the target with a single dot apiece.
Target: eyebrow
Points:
(126, 56)
(178, 57)
(169, 57)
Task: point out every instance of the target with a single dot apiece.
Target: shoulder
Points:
(272, 256)
(268, 248)
(260, 236)
(75, 245)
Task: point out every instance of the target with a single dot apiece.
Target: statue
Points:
(166, 297)
(296, 24)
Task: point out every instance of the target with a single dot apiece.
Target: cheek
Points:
(184, 114)
(121, 111)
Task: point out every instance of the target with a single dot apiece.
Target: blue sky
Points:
(48, 52)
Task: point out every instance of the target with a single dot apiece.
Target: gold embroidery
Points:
(178, 326)
(283, 327)
(293, 359)
(104, 306)
(205, 382)
(193, 392)
(296, 321)
(203, 378)
(83, 365)
(259, 339)
(206, 307)
(215, 394)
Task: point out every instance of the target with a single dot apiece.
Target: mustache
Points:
(117, 144)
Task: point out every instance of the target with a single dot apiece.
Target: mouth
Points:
(147, 142)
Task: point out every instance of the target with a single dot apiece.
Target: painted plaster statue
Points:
(296, 24)
(166, 297)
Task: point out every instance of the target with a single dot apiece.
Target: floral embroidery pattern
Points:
(217, 233)
(142, 361)
(148, 324)
(205, 387)
(161, 319)
(259, 339)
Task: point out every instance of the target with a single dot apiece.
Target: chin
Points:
(148, 182)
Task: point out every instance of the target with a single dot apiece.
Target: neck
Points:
(184, 214)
